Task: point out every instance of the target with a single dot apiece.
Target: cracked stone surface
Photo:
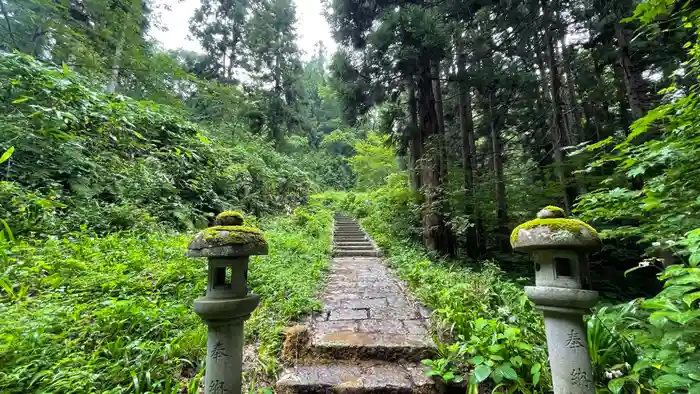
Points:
(371, 336)
(382, 322)
(368, 377)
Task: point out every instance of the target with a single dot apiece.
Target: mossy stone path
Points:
(371, 336)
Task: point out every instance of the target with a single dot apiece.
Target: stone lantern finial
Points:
(227, 304)
(559, 248)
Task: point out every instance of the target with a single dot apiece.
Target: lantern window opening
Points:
(222, 278)
(563, 267)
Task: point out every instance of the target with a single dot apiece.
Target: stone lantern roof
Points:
(229, 238)
(552, 230)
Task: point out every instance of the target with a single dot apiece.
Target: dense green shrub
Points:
(83, 157)
(113, 314)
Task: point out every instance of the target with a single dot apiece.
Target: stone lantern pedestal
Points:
(559, 248)
(227, 303)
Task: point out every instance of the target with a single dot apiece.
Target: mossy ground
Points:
(559, 224)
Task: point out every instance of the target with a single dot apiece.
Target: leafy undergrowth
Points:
(113, 314)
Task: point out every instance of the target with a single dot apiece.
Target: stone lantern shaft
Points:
(227, 304)
(558, 247)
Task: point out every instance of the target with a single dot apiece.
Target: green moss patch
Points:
(555, 209)
(233, 235)
(571, 225)
(230, 218)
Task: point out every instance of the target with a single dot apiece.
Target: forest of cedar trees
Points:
(440, 124)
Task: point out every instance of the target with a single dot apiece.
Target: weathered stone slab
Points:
(381, 326)
(390, 313)
(372, 346)
(345, 253)
(367, 303)
(416, 327)
(348, 314)
(345, 378)
(336, 326)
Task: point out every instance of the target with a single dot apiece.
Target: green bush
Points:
(113, 314)
(83, 157)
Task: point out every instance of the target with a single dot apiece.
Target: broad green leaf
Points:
(616, 385)
(482, 372)
(509, 373)
(672, 381)
(535, 378)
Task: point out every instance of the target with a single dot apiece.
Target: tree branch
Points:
(9, 26)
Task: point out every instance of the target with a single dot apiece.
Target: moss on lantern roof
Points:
(230, 218)
(573, 226)
(555, 209)
(233, 235)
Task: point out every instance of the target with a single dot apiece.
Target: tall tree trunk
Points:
(114, 78)
(415, 140)
(634, 84)
(558, 121)
(574, 113)
(435, 233)
(468, 151)
(437, 92)
(499, 179)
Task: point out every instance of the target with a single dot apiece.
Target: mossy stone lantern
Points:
(559, 248)
(227, 304)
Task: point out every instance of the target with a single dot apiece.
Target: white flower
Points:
(670, 242)
(644, 263)
(608, 375)
(628, 366)
(617, 374)
(656, 244)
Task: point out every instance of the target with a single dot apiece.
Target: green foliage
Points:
(661, 149)
(112, 163)
(498, 352)
(114, 314)
(373, 161)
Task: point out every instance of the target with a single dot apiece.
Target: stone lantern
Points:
(227, 304)
(559, 249)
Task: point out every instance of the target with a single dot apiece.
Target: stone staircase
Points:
(370, 337)
(349, 240)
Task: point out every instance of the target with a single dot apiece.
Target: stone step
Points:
(367, 246)
(385, 346)
(351, 238)
(353, 243)
(357, 234)
(348, 228)
(344, 231)
(356, 378)
(355, 253)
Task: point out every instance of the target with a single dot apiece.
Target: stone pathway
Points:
(371, 336)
